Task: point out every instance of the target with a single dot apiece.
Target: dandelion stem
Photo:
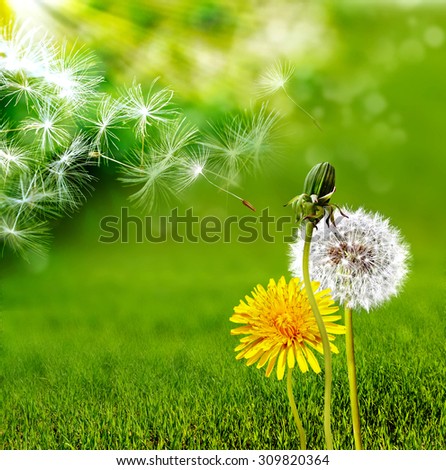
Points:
(244, 201)
(300, 428)
(323, 332)
(313, 119)
(115, 161)
(219, 187)
(351, 367)
(142, 148)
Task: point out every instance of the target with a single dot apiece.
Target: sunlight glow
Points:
(32, 9)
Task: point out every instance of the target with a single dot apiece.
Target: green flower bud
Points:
(320, 181)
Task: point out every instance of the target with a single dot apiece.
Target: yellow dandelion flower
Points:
(281, 328)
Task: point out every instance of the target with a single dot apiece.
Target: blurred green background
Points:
(127, 345)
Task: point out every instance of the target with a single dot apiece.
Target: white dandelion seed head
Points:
(363, 260)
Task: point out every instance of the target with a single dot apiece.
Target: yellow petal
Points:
(303, 365)
(281, 362)
(270, 366)
(263, 360)
(254, 358)
(311, 358)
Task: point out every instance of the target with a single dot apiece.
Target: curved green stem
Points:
(351, 367)
(300, 428)
(324, 336)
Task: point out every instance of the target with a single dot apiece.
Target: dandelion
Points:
(281, 330)
(310, 208)
(363, 261)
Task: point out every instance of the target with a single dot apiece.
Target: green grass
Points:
(128, 347)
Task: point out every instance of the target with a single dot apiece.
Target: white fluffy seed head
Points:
(363, 260)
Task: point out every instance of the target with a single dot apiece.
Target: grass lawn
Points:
(128, 347)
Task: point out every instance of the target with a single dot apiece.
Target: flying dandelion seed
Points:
(229, 146)
(16, 87)
(147, 109)
(13, 158)
(68, 176)
(192, 167)
(156, 179)
(174, 138)
(71, 73)
(31, 237)
(109, 117)
(50, 126)
(260, 132)
(274, 78)
(29, 196)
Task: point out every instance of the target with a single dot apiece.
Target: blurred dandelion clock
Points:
(280, 326)
(363, 260)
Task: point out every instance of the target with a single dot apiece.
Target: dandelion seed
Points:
(363, 261)
(71, 74)
(230, 147)
(108, 118)
(67, 176)
(275, 78)
(260, 134)
(174, 138)
(21, 51)
(147, 109)
(280, 327)
(18, 86)
(50, 126)
(157, 180)
(190, 168)
(31, 237)
(27, 196)
(13, 158)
